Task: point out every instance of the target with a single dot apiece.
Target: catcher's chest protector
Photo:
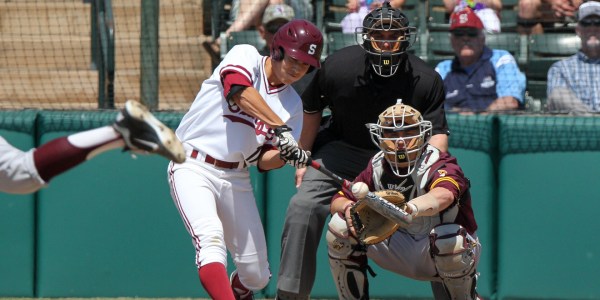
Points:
(414, 186)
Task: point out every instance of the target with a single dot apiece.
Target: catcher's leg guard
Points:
(347, 260)
(456, 255)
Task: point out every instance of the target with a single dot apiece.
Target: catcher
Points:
(439, 245)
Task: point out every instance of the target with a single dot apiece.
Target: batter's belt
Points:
(195, 154)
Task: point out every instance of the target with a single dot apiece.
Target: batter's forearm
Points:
(252, 103)
(270, 160)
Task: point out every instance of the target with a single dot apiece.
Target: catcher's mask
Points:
(385, 36)
(401, 134)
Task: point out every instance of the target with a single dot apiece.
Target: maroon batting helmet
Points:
(300, 40)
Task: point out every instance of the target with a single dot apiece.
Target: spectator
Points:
(135, 128)
(487, 10)
(478, 78)
(535, 15)
(356, 83)
(246, 14)
(275, 16)
(358, 9)
(573, 84)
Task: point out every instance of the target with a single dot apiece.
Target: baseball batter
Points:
(135, 128)
(245, 114)
(440, 245)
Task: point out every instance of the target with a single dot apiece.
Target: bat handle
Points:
(317, 166)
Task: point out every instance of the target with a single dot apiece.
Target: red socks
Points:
(215, 281)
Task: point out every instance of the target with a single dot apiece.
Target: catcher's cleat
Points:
(239, 290)
(142, 132)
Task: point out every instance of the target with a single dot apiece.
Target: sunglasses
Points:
(589, 22)
(459, 34)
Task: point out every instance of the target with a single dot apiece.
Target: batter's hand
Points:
(297, 159)
(286, 144)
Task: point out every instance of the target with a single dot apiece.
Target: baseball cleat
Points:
(239, 290)
(142, 132)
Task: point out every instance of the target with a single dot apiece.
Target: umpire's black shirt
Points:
(356, 95)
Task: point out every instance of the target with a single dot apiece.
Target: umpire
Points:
(356, 83)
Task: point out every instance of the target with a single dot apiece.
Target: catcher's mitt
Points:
(370, 226)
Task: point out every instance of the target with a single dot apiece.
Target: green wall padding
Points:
(472, 140)
(17, 219)
(548, 248)
(548, 210)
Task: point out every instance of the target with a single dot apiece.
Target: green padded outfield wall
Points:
(109, 228)
(17, 212)
(549, 204)
(473, 143)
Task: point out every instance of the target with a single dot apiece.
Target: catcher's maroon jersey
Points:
(444, 172)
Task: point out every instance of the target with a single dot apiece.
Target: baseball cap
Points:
(588, 8)
(465, 18)
(277, 11)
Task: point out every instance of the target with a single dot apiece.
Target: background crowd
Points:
(512, 87)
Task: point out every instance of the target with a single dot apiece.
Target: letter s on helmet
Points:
(300, 40)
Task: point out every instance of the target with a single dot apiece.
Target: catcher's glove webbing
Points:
(370, 226)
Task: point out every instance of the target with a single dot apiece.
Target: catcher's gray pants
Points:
(307, 214)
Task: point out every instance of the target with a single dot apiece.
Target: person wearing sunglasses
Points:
(479, 79)
(573, 85)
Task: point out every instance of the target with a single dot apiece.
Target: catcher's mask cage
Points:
(401, 134)
(385, 36)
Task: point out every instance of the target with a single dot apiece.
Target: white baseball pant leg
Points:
(219, 211)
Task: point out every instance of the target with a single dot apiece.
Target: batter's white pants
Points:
(219, 211)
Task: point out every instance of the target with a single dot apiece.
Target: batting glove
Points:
(286, 145)
(297, 159)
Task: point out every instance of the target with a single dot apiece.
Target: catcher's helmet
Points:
(401, 134)
(299, 39)
(385, 35)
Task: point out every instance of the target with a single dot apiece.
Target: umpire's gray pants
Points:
(307, 214)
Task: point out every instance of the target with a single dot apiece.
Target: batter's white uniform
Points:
(18, 174)
(217, 204)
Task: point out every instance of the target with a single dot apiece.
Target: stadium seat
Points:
(337, 40)
(439, 47)
(545, 49)
(437, 18)
(251, 37)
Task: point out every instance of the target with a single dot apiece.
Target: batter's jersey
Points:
(220, 128)
(436, 169)
(347, 84)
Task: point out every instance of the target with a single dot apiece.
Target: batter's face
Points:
(468, 45)
(288, 70)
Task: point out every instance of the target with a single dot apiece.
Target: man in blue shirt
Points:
(479, 79)
(573, 85)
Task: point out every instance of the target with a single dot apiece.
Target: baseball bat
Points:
(378, 204)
